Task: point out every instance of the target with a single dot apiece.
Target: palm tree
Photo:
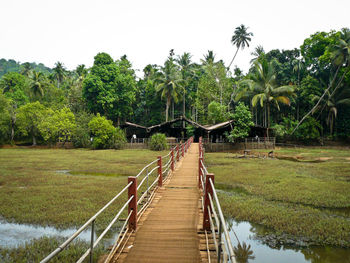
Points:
(332, 103)
(59, 73)
(26, 69)
(240, 39)
(184, 62)
(258, 51)
(341, 57)
(266, 92)
(169, 80)
(36, 84)
(209, 58)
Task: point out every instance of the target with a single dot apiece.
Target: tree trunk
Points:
(167, 109)
(268, 119)
(321, 98)
(183, 109)
(34, 140)
(233, 57)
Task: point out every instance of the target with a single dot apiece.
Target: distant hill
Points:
(14, 66)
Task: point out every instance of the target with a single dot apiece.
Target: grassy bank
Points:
(304, 199)
(38, 249)
(33, 191)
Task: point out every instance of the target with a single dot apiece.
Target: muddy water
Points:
(263, 253)
(13, 235)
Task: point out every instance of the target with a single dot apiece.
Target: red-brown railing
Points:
(213, 218)
(135, 205)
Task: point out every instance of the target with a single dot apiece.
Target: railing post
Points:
(92, 240)
(200, 159)
(178, 152)
(160, 180)
(208, 190)
(172, 160)
(183, 150)
(132, 191)
(220, 242)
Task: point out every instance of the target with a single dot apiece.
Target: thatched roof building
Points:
(177, 128)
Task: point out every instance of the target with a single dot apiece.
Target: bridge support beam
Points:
(208, 190)
(160, 174)
(132, 191)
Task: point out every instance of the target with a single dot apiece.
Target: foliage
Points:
(158, 142)
(310, 129)
(24, 68)
(81, 137)
(242, 122)
(119, 138)
(218, 113)
(109, 89)
(58, 125)
(14, 86)
(29, 118)
(190, 130)
(5, 119)
(102, 132)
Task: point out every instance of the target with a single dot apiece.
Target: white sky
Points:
(74, 31)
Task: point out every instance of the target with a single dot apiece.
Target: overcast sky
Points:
(74, 31)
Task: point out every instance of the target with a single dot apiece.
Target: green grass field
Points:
(32, 191)
(305, 199)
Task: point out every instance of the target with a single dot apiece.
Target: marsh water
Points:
(263, 253)
(13, 235)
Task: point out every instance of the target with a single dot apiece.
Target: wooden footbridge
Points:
(173, 214)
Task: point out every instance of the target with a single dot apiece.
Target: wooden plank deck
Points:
(168, 232)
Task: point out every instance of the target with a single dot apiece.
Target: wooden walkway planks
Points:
(169, 232)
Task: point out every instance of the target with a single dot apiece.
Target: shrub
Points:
(242, 123)
(102, 131)
(81, 136)
(119, 139)
(158, 142)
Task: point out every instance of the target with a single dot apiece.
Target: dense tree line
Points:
(301, 93)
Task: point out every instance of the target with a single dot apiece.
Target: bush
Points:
(119, 139)
(102, 131)
(242, 123)
(81, 136)
(158, 142)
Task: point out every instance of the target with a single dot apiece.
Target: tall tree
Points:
(266, 91)
(240, 39)
(59, 72)
(169, 79)
(340, 53)
(37, 83)
(109, 88)
(184, 62)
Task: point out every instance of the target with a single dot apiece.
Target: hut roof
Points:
(206, 128)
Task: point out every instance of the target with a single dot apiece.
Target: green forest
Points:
(301, 94)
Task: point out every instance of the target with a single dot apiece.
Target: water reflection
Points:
(259, 252)
(243, 253)
(12, 234)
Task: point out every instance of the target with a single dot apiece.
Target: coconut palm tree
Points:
(263, 85)
(59, 72)
(341, 58)
(240, 39)
(332, 103)
(258, 51)
(184, 62)
(37, 83)
(169, 81)
(26, 69)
